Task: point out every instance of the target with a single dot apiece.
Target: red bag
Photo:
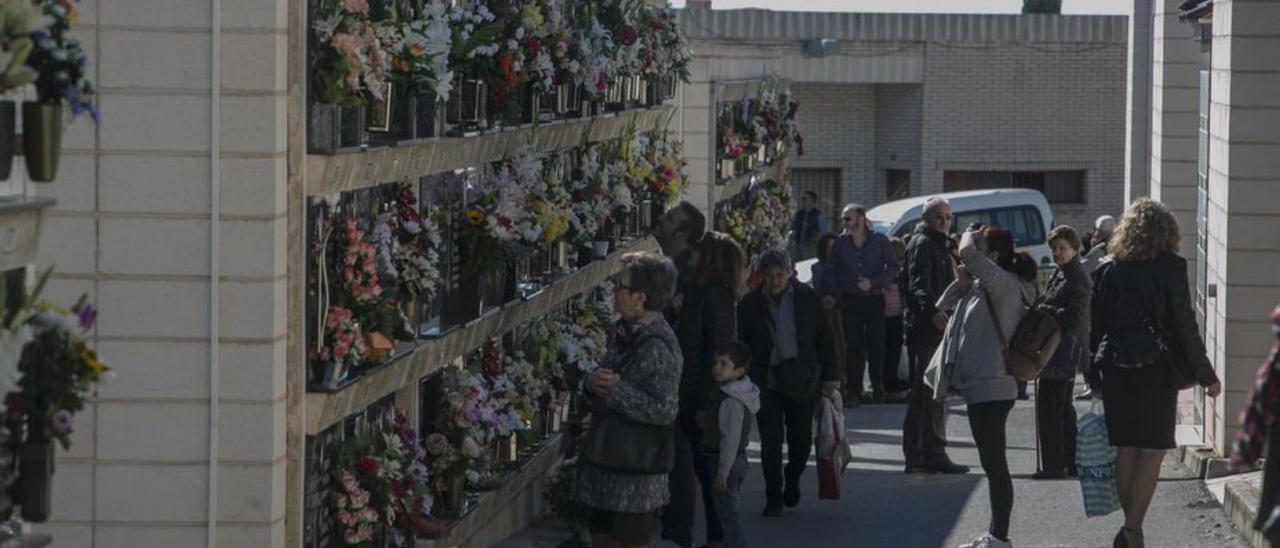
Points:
(833, 452)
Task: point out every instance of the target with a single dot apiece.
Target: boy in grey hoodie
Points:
(726, 426)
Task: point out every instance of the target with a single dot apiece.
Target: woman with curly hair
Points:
(1147, 347)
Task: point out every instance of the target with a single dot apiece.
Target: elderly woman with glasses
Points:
(637, 381)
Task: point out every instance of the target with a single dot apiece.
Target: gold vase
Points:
(41, 139)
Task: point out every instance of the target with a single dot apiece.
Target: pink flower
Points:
(628, 35)
(368, 515)
(365, 533)
(357, 6)
(346, 518)
(62, 421)
(350, 536)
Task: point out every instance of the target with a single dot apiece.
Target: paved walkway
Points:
(882, 507)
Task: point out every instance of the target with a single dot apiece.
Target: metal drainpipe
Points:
(215, 266)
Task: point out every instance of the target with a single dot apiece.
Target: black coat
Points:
(929, 271)
(1067, 301)
(1160, 287)
(706, 321)
(813, 339)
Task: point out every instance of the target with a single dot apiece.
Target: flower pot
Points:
(42, 139)
(8, 136)
(600, 249)
(465, 109)
(453, 501)
(34, 490)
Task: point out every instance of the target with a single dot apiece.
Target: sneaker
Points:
(987, 541)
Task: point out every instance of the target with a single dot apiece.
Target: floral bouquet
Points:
(347, 54)
(488, 45)
(591, 198)
(662, 166)
(663, 48)
(408, 244)
(620, 18)
(342, 347)
(594, 50)
(60, 61)
(419, 45)
(58, 371)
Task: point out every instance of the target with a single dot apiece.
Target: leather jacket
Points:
(929, 270)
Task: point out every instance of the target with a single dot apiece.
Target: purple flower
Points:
(62, 421)
(88, 314)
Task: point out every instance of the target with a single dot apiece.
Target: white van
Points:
(1022, 211)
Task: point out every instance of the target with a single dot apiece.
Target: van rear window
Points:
(1023, 221)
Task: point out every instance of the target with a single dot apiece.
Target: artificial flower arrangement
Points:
(767, 120)
(418, 42)
(408, 244)
(658, 161)
(757, 217)
(592, 202)
(57, 370)
(594, 48)
(664, 52)
(349, 59)
(541, 345)
(382, 482)
(60, 60)
(487, 45)
(620, 18)
(500, 223)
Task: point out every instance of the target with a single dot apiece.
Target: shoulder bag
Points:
(619, 444)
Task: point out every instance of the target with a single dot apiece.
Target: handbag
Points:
(1035, 339)
(619, 444)
(832, 451)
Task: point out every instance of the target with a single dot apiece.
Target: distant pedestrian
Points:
(838, 355)
(1147, 347)
(636, 383)
(1067, 301)
(1097, 248)
(1260, 431)
(930, 269)
(895, 388)
(726, 430)
(989, 297)
(807, 225)
(861, 264)
(791, 362)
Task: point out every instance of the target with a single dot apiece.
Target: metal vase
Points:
(8, 136)
(452, 501)
(34, 488)
(42, 139)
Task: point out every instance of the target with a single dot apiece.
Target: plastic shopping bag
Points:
(833, 452)
(1096, 461)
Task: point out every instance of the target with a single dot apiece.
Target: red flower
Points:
(627, 35)
(15, 404)
(368, 465)
(533, 46)
(399, 488)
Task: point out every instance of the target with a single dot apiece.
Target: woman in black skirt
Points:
(1147, 347)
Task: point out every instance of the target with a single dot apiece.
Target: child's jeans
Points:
(727, 504)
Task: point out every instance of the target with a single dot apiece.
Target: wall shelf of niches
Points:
(359, 169)
(736, 185)
(491, 508)
(324, 409)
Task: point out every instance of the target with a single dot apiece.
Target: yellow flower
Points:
(475, 216)
(90, 359)
(532, 15)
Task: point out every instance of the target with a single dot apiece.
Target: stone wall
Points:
(132, 229)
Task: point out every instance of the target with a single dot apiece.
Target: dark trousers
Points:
(863, 318)
(924, 432)
(987, 421)
(688, 473)
(1057, 418)
(781, 418)
(893, 335)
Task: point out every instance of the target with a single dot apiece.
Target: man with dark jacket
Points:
(807, 225)
(930, 269)
(862, 263)
(679, 232)
(792, 363)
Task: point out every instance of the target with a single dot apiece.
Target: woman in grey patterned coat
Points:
(639, 379)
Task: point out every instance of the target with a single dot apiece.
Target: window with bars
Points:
(1058, 187)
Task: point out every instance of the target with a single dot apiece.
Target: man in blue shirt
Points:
(861, 264)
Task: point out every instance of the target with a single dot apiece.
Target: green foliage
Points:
(16, 19)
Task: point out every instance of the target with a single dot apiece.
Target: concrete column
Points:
(1137, 164)
(1244, 216)
(1174, 112)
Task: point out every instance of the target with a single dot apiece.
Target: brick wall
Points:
(839, 124)
(899, 123)
(1028, 107)
(132, 230)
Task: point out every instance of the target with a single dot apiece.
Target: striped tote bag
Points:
(1096, 461)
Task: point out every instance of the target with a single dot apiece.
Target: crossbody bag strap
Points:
(995, 318)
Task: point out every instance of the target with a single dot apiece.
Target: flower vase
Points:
(652, 93)
(600, 249)
(8, 136)
(668, 91)
(615, 97)
(531, 107)
(35, 470)
(465, 109)
(425, 114)
(508, 450)
(550, 104)
(646, 216)
(389, 119)
(453, 501)
(572, 97)
(639, 91)
(41, 139)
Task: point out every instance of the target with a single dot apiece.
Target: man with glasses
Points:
(861, 264)
(930, 269)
